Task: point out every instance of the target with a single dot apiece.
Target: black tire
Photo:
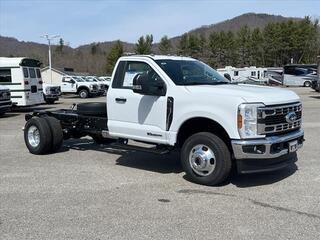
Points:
(83, 93)
(50, 101)
(307, 84)
(56, 132)
(222, 161)
(92, 108)
(45, 136)
(101, 140)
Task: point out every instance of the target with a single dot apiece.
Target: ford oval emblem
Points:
(291, 117)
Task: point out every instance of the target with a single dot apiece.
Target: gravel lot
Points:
(89, 192)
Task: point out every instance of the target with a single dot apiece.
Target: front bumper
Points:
(269, 147)
(51, 96)
(267, 154)
(5, 106)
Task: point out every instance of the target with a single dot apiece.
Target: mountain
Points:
(92, 57)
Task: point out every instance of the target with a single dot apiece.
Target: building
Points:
(57, 75)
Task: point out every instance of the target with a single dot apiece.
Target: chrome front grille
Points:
(55, 90)
(279, 118)
(5, 95)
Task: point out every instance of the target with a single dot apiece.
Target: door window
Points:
(126, 72)
(25, 72)
(32, 73)
(38, 73)
(5, 75)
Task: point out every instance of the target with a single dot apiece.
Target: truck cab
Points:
(77, 85)
(179, 103)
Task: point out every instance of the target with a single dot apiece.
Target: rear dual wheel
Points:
(43, 135)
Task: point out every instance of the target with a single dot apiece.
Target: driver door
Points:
(68, 85)
(132, 115)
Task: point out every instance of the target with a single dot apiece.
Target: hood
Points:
(49, 85)
(249, 93)
(88, 83)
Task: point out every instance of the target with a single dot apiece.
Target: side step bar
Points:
(157, 149)
(123, 144)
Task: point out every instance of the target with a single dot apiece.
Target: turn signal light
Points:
(239, 121)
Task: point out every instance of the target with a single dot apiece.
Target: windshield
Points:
(190, 72)
(78, 79)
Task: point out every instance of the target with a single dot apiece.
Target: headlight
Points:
(91, 86)
(247, 120)
(47, 90)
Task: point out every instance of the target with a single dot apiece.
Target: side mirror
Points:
(227, 76)
(142, 84)
(72, 81)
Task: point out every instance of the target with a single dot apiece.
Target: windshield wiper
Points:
(203, 83)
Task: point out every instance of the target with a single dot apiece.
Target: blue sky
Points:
(84, 21)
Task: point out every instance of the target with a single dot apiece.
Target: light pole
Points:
(318, 72)
(49, 38)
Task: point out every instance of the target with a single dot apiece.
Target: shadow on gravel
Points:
(170, 163)
(29, 109)
(259, 179)
(167, 163)
(315, 97)
(8, 115)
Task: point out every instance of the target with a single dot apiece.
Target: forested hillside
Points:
(249, 39)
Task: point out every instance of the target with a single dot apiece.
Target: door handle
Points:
(121, 100)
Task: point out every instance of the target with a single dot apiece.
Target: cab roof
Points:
(160, 57)
(10, 62)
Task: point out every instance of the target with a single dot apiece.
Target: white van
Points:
(22, 76)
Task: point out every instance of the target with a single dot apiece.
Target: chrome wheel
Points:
(34, 136)
(83, 94)
(202, 160)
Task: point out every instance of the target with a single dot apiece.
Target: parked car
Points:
(179, 103)
(51, 93)
(77, 85)
(300, 75)
(5, 99)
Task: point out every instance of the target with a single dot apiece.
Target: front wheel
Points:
(83, 93)
(206, 159)
(307, 84)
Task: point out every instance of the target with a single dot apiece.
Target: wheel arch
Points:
(83, 87)
(201, 124)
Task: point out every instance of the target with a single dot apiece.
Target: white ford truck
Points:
(77, 85)
(179, 103)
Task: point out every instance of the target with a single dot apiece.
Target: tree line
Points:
(276, 44)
